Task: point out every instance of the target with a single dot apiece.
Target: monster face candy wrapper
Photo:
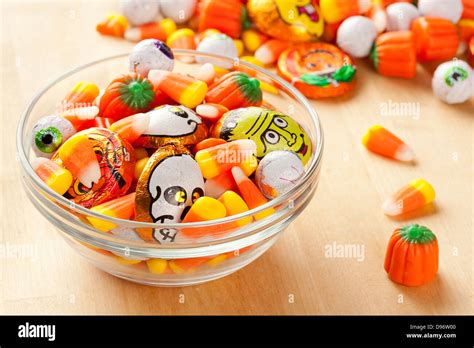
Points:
(289, 20)
(169, 184)
(269, 129)
(235, 90)
(318, 70)
(172, 124)
(111, 157)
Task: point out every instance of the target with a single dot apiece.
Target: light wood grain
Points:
(40, 40)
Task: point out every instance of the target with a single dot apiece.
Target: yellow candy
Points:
(217, 260)
(157, 266)
(127, 261)
(252, 40)
(59, 179)
(140, 153)
(252, 60)
(121, 208)
(240, 47)
(234, 204)
(139, 165)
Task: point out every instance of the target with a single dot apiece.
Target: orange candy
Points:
(132, 127)
(120, 208)
(160, 31)
(83, 94)
(381, 141)
(413, 196)
(435, 38)
(224, 16)
(468, 12)
(211, 112)
(207, 143)
(216, 186)
(270, 51)
(114, 25)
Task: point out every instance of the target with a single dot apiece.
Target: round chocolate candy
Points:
(278, 172)
(318, 70)
(172, 124)
(49, 133)
(116, 161)
(169, 184)
(269, 129)
(292, 20)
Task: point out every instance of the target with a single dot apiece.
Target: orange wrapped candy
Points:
(318, 70)
(394, 54)
(412, 256)
(235, 90)
(223, 15)
(436, 38)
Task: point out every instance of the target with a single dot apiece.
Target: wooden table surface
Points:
(42, 39)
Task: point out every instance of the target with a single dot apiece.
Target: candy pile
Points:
(163, 147)
(395, 35)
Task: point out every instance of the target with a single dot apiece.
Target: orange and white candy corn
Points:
(160, 31)
(120, 208)
(114, 25)
(204, 209)
(234, 204)
(207, 143)
(250, 193)
(77, 154)
(59, 179)
(132, 127)
(83, 94)
(182, 38)
(382, 142)
(206, 73)
(217, 185)
(221, 158)
(211, 112)
(415, 195)
(269, 52)
(183, 89)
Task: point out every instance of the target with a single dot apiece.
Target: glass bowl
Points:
(122, 253)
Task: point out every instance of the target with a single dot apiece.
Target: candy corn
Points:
(253, 39)
(468, 10)
(381, 141)
(180, 266)
(436, 38)
(240, 47)
(416, 194)
(211, 112)
(234, 204)
(132, 127)
(378, 15)
(114, 25)
(77, 155)
(56, 177)
(157, 266)
(250, 193)
(79, 117)
(225, 16)
(120, 208)
(183, 89)
(270, 51)
(206, 73)
(219, 159)
(204, 209)
(183, 38)
(207, 143)
(217, 185)
(160, 31)
(82, 94)
(335, 11)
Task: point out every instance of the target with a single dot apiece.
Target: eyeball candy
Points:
(151, 54)
(170, 183)
(49, 133)
(220, 44)
(278, 172)
(83, 152)
(453, 82)
(179, 11)
(172, 124)
(269, 129)
(140, 12)
(292, 20)
(356, 36)
(447, 9)
(318, 70)
(400, 15)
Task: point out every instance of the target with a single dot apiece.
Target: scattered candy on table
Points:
(400, 15)
(383, 142)
(158, 30)
(356, 36)
(453, 82)
(412, 256)
(448, 9)
(413, 196)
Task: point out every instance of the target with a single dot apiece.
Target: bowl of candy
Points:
(170, 168)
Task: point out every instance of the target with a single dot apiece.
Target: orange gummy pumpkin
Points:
(223, 15)
(435, 38)
(412, 255)
(394, 54)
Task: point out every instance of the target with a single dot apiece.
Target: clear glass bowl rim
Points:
(311, 170)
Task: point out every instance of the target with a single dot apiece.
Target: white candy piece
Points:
(278, 172)
(453, 82)
(180, 11)
(140, 12)
(400, 15)
(356, 35)
(220, 44)
(151, 54)
(448, 9)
